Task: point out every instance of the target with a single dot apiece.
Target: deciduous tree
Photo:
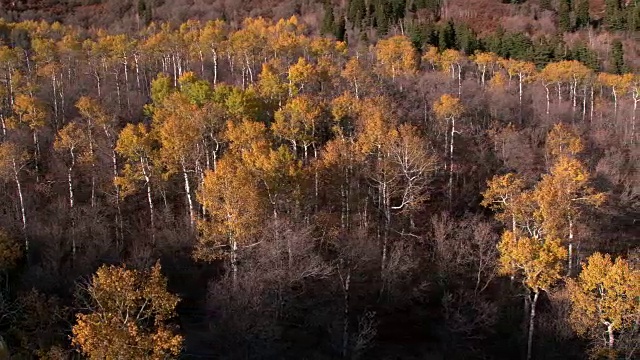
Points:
(605, 296)
(128, 318)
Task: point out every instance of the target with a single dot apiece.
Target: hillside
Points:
(381, 179)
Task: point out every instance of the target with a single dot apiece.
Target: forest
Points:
(358, 179)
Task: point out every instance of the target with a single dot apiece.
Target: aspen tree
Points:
(233, 203)
(128, 314)
(452, 60)
(486, 61)
(31, 112)
(560, 195)
(300, 74)
(525, 71)
(72, 140)
(619, 85)
(212, 36)
(538, 263)
(396, 57)
(180, 127)
(448, 108)
(299, 122)
(605, 295)
(355, 72)
(135, 144)
(98, 119)
(12, 162)
(502, 194)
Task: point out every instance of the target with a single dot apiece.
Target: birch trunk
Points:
(187, 189)
(147, 179)
(16, 177)
(532, 317)
(453, 130)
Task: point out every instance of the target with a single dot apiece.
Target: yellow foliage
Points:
(129, 310)
(232, 200)
(447, 107)
(562, 140)
(396, 56)
(539, 263)
(605, 292)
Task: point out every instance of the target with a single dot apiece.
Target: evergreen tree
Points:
(617, 57)
(447, 36)
(582, 14)
(586, 56)
(493, 42)
(613, 15)
(357, 12)
(382, 16)
(633, 16)
(564, 16)
(466, 39)
(340, 29)
(543, 52)
(517, 46)
(328, 22)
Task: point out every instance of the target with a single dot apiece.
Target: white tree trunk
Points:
(453, 131)
(22, 209)
(187, 189)
(532, 325)
(611, 341)
(147, 179)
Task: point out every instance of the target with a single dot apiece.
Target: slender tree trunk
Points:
(3, 124)
(55, 100)
(532, 324)
(147, 179)
(453, 131)
(611, 341)
(520, 80)
(636, 99)
(93, 164)
(71, 203)
(234, 261)
(119, 220)
(187, 189)
(135, 61)
(215, 67)
(69, 177)
(584, 103)
(546, 88)
(570, 264)
(592, 107)
(16, 177)
(345, 315)
(36, 155)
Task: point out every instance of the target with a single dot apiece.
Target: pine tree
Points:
(614, 16)
(447, 36)
(582, 14)
(617, 58)
(564, 16)
(633, 16)
(328, 22)
(357, 12)
(340, 29)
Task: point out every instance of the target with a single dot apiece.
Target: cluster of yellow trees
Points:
(539, 220)
(287, 120)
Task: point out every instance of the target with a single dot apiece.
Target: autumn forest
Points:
(384, 183)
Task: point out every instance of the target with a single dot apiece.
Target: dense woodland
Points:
(367, 179)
